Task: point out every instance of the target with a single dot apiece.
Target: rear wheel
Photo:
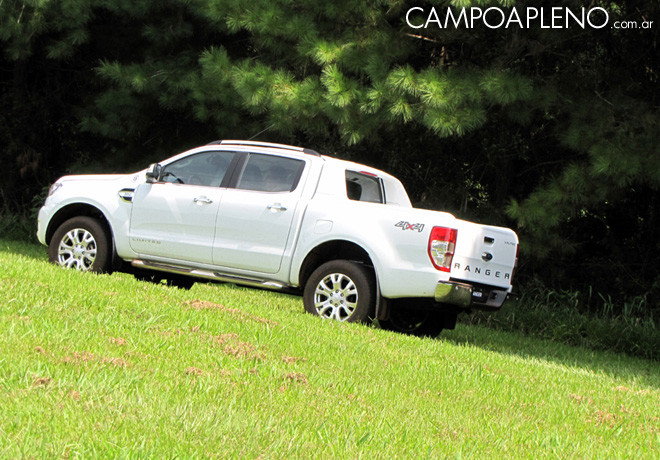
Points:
(341, 290)
(81, 243)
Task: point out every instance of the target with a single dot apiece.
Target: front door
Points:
(175, 217)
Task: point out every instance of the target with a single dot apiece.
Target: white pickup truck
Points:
(342, 234)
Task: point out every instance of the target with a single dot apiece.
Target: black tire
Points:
(342, 290)
(81, 243)
(420, 323)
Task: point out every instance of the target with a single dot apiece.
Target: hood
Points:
(95, 177)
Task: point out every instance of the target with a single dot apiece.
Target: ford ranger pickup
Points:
(341, 234)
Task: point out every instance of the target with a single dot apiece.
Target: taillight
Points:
(442, 243)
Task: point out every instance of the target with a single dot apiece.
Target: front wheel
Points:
(80, 243)
(341, 290)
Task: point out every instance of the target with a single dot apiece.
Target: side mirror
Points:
(153, 173)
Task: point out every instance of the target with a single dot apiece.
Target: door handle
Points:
(202, 199)
(275, 207)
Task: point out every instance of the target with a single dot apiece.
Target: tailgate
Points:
(484, 254)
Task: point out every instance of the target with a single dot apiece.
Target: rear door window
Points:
(270, 173)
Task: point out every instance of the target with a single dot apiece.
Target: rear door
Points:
(254, 220)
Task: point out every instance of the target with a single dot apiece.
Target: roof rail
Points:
(266, 144)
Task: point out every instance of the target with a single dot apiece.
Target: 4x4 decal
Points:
(408, 226)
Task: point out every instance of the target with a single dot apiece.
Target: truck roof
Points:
(272, 145)
(335, 168)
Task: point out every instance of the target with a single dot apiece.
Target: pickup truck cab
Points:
(342, 234)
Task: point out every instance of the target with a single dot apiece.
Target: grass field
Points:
(106, 366)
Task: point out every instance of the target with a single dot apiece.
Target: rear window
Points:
(362, 186)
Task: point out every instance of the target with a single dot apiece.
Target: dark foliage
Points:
(552, 131)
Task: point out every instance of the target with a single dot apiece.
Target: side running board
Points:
(206, 274)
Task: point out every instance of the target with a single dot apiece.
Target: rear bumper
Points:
(466, 295)
(453, 293)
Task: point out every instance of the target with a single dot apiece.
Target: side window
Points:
(364, 187)
(207, 168)
(270, 173)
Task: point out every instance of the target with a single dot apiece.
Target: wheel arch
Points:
(88, 210)
(75, 210)
(334, 250)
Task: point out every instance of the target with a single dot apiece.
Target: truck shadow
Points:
(617, 365)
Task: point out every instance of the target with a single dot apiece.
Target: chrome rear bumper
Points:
(453, 293)
(466, 295)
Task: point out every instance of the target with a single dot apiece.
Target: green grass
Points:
(105, 366)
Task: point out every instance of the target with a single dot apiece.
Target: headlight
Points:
(53, 188)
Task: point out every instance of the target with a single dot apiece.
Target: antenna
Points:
(261, 132)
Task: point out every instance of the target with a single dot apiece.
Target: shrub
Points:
(579, 319)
